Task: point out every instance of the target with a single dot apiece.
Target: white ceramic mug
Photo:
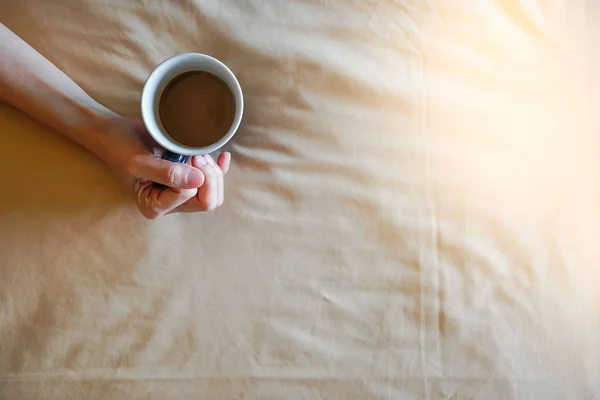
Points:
(154, 87)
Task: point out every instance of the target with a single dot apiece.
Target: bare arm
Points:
(33, 84)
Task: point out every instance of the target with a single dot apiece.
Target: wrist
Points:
(94, 132)
(114, 139)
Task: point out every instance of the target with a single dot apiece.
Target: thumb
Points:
(174, 175)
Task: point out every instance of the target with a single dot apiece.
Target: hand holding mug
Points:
(160, 186)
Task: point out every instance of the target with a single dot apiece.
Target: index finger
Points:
(155, 201)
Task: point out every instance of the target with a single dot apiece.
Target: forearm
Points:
(36, 86)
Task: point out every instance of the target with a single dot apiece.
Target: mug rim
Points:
(150, 94)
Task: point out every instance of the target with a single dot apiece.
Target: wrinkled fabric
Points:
(412, 210)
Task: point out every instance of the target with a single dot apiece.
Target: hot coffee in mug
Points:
(192, 104)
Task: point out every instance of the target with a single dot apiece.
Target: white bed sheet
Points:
(412, 210)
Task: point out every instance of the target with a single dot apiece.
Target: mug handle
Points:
(174, 157)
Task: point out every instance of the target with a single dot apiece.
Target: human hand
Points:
(162, 187)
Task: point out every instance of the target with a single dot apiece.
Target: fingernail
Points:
(193, 179)
(201, 160)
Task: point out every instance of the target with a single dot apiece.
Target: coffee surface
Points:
(197, 109)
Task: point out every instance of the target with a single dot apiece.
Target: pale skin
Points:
(33, 84)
